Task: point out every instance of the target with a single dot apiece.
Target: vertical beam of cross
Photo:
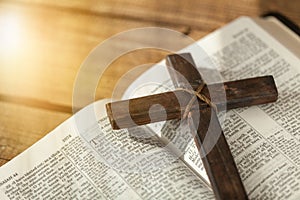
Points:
(217, 160)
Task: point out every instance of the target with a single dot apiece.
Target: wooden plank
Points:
(22, 126)
(204, 14)
(239, 93)
(50, 44)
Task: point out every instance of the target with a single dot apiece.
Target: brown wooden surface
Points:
(52, 38)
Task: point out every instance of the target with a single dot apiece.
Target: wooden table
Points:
(42, 46)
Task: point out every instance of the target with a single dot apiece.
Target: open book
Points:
(84, 159)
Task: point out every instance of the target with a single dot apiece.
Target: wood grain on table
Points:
(43, 44)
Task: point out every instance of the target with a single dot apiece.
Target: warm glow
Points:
(10, 34)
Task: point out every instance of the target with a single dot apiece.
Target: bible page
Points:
(264, 139)
(84, 159)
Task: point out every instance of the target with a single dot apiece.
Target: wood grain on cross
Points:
(217, 160)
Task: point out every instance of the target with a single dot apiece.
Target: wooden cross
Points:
(218, 161)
